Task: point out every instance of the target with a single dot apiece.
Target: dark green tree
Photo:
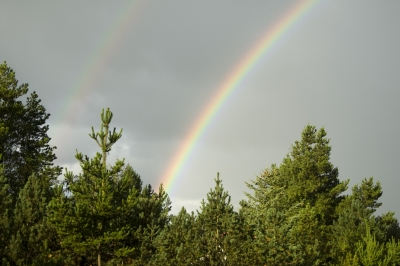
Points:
(147, 217)
(349, 228)
(87, 216)
(285, 233)
(355, 214)
(293, 205)
(5, 216)
(34, 240)
(311, 176)
(220, 239)
(104, 214)
(176, 243)
(368, 193)
(25, 146)
(5, 208)
(370, 252)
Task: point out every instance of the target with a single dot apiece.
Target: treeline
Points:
(296, 213)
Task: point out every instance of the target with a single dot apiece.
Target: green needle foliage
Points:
(34, 240)
(293, 205)
(370, 252)
(5, 216)
(220, 236)
(176, 243)
(103, 214)
(295, 214)
(87, 217)
(25, 146)
(355, 213)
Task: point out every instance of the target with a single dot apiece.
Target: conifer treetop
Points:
(101, 137)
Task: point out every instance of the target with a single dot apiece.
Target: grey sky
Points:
(337, 68)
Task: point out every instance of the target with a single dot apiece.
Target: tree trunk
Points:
(99, 259)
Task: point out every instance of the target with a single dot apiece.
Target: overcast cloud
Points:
(337, 67)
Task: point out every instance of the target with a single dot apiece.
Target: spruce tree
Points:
(25, 146)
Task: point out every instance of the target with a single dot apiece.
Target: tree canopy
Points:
(297, 212)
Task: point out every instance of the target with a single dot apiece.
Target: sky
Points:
(158, 64)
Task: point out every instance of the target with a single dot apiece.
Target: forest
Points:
(297, 212)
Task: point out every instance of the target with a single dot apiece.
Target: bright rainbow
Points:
(232, 82)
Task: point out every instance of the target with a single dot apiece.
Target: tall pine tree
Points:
(104, 214)
(86, 216)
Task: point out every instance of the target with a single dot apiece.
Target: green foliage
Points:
(147, 218)
(103, 214)
(5, 215)
(176, 243)
(369, 252)
(284, 233)
(216, 236)
(26, 156)
(292, 206)
(355, 213)
(34, 240)
(87, 220)
(25, 146)
(368, 194)
(220, 235)
(295, 214)
(311, 176)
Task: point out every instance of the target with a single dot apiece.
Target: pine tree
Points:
(220, 238)
(148, 216)
(87, 216)
(5, 216)
(355, 213)
(368, 193)
(25, 146)
(349, 228)
(175, 244)
(293, 205)
(285, 233)
(103, 214)
(311, 176)
(34, 240)
(5, 207)
(370, 252)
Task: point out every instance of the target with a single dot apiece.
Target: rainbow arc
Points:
(229, 85)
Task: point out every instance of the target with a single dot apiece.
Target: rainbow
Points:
(232, 82)
(101, 54)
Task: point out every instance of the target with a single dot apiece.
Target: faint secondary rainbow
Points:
(101, 54)
(233, 80)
